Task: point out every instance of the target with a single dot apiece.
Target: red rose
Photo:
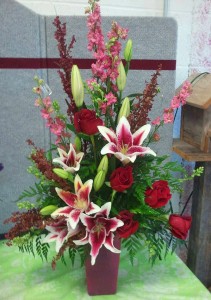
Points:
(130, 226)
(180, 225)
(121, 179)
(158, 195)
(85, 121)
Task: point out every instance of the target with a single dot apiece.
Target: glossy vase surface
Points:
(102, 277)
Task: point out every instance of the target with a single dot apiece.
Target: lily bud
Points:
(77, 86)
(48, 210)
(125, 109)
(99, 180)
(128, 52)
(61, 173)
(121, 79)
(77, 143)
(103, 166)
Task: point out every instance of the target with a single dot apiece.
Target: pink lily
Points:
(59, 232)
(77, 203)
(69, 161)
(125, 145)
(99, 231)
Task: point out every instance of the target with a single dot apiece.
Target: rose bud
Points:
(125, 109)
(77, 86)
(103, 166)
(99, 180)
(179, 225)
(158, 195)
(48, 210)
(121, 79)
(128, 52)
(77, 143)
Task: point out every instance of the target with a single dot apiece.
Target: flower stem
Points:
(94, 148)
(112, 196)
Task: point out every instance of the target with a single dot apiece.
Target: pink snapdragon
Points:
(107, 57)
(168, 115)
(181, 98)
(95, 35)
(110, 99)
(156, 121)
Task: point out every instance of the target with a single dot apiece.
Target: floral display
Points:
(101, 178)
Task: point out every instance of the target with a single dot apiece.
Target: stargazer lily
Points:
(99, 231)
(123, 144)
(59, 232)
(69, 161)
(77, 203)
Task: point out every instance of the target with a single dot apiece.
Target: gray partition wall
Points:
(27, 35)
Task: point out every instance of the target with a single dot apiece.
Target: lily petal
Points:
(84, 191)
(87, 221)
(124, 136)
(74, 218)
(83, 241)
(92, 209)
(62, 211)
(109, 148)
(139, 150)
(109, 243)
(105, 209)
(96, 240)
(61, 239)
(51, 237)
(77, 183)
(62, 153)
(108, 134)
(67, 197)
(112, 225)
(125, 159)
(71, 157)
(140, 135)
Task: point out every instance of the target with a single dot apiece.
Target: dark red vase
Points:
(103, 276)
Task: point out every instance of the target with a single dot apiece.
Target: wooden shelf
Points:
(189, 152)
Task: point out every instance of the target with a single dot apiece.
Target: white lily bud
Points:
(99, 180)
(77, 86)
(125, 109)
(128, 50)
(121, 79)
(48, 210)
(103, 166)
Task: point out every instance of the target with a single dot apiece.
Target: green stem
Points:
(112, 196)
(94, 149)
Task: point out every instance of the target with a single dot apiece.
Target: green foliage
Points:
(133, 245)
(25, 205)
(41, 193)
(42, 248)
(78, 251)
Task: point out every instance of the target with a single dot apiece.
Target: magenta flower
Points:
(125, 145)
(99, 231)
(59, 232)
(69, 161)
(168, 115)
(77, 203)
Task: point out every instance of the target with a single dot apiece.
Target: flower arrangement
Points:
(101, 178)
